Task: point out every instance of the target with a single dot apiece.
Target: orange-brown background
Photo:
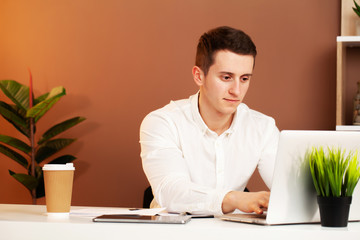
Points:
(121, 59)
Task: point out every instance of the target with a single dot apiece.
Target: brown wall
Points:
(120, 59)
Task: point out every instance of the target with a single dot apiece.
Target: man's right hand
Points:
(246, 201)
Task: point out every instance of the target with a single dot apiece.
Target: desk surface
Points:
(30, 222)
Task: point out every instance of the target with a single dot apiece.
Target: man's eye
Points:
(226, 78)
(244, 79)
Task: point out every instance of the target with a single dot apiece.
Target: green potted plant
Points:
(335, 173)
(24, 114)
(356, 9)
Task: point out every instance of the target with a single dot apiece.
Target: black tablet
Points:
(121, 218)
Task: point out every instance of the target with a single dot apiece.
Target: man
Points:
(199, 153)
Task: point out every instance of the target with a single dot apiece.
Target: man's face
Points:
(225, 85)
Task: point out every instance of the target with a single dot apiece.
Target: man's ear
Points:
(198, 75)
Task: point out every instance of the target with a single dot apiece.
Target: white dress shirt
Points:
(191, 168)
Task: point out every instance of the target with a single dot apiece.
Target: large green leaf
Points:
(16, 116)
(59, 128)
(41, 98)
(42, 107)
(51, 147)
(9, 113)
(28, 181)
(16, 143)
(14, 155)
(63, 159)
(18, 93)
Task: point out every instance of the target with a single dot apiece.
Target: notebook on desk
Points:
(293, 197)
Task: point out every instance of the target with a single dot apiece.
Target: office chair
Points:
(148, 197)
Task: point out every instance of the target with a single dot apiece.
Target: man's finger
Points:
(258, 210)
(263, 203)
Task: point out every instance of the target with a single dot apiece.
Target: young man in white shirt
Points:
(199, 153)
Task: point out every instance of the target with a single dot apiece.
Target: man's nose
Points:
(235, 88)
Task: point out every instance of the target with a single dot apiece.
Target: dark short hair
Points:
(222, 38)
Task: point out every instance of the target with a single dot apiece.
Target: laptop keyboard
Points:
(244, 215)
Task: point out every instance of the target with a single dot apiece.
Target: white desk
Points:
(30, 222)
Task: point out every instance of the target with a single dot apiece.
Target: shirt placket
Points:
(219, 152)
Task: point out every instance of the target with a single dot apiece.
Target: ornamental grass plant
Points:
(335, 172)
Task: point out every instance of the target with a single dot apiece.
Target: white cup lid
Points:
(54, 167)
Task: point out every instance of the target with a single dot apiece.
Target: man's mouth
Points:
(232, 100)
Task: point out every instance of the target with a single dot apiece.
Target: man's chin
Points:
(228, 111)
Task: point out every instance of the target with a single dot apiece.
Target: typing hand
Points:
(249, 202)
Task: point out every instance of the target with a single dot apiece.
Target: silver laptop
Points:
(293, 197)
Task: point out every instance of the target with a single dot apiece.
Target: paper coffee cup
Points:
(58, 180)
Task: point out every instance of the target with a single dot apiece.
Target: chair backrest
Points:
(148, 197)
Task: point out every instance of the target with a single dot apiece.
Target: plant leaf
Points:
(352, 174)
(16, 143)
(16, 117)
(357, 11)
(28, 181)
(41, 98)
(14, 156)
(10, 113)
(63, 159)
(42, 107)
(18, 93)
(51, 147)
(356, 8)
(59, 128)
(335, 172)
(357, 5)
(313, 171)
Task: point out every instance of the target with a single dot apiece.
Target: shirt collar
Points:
(194, 99)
